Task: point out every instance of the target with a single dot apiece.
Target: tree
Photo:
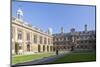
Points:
(16, 47)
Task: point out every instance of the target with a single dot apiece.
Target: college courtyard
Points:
(32, 45)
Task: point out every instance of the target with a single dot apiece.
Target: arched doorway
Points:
(39, 48)
(47, 48)
(28, 47)
(50, 48)
(43, 48)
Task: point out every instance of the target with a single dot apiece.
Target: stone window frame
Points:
(28, 36)
(19, 34)
(40, 39)
(35, 38)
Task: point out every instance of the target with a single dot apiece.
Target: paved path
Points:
(40, 61)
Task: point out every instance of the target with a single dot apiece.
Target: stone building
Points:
(29, 39)
(78, 40)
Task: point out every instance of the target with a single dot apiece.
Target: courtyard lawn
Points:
(24, 58)
(75, 57)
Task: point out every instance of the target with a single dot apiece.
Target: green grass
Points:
(24, 58)
(76, 57)
(68, 58)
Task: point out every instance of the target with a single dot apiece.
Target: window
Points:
(20, 35)
(56, 39)
(90, 37)
(35, 38)
(77, 42)
(77, 37)
(81, 41)
(51, 41)
(77, 46)
(81, 46)
(45, 41)
(40, 39)
(86, 41)
(48, 41)
(90, 41)
(28, 36)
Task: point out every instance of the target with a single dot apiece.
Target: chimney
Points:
(50, 31)
(62, 30)
(85, 27)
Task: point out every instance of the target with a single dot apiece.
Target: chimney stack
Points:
(85, 27)
(50, 31)
(62, 30)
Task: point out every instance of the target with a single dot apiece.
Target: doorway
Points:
(39, 48)
(28, 47)
(43, 48)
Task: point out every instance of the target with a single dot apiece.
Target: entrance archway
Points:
(43, 48)
(50, 48)
(28, 47)
(47, 48)
(39, 48)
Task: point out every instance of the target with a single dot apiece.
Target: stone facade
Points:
(27, 39)
(30, 39)
(78, 40)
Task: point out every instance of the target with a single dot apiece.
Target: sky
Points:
(55, 16)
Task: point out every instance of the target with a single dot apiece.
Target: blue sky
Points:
(55, 16)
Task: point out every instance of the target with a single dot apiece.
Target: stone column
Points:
(30, 41)
(24, 41)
